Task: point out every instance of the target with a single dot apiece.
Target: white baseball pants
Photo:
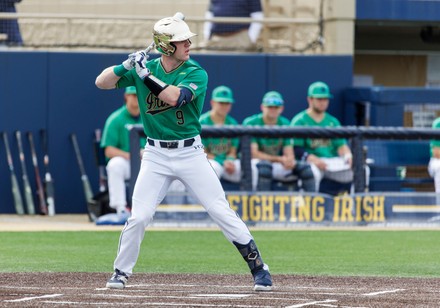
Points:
(159, 167)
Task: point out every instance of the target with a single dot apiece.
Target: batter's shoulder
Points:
(193, 64)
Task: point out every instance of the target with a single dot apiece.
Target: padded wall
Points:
(56, 91)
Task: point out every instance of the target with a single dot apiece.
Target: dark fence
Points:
(356, 135)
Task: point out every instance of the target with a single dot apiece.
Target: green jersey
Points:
(116, 130)
(318, 146)
(160, 120)
(219, 147)
(436, 125)
(271, 146)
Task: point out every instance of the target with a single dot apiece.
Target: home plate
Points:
(222, 295)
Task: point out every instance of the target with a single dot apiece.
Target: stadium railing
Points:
(359, 138)
(61, 33)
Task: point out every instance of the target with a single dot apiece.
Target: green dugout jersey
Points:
(271, 146)
(318, 146)
(219, 147)
(160, 120)
(436, 125)
(116, 130)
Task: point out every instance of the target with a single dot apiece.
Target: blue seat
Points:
(386, 156)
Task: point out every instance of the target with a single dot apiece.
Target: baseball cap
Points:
(319, 89)
(222, 94)
(273, 98)
(130, 90)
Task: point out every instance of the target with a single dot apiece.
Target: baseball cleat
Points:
(262, 280)
(117, 281)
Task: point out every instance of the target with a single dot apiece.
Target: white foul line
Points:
(312, 303)
(383, 292)
(32, 298)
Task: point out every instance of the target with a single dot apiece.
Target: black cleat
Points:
(117, 281)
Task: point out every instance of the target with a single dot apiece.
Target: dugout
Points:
(395, 165)
(391, 106)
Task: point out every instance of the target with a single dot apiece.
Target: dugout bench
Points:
(399, 165)
(359, 136)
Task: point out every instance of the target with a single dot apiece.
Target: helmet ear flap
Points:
(163, 44)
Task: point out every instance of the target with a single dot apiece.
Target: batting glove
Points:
(141, 60)
(130, 62)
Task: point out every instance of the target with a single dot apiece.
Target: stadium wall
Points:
(56, 91)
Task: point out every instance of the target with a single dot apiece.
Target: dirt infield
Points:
(188, 290)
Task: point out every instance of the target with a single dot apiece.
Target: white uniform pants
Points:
(335, 164)
(222, 174)
(159, 167)
(434, 172)
(118, 171)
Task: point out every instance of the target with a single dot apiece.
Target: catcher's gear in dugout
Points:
(264, 175)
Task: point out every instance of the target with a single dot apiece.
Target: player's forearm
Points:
(344, 150)
(107, 79)
(170, 95)
(111, 152)
(263, 156)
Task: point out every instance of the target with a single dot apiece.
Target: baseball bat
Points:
(27, 186)
(84, 178)
(48, 181)
(101, 168)
(38, 182)
(18, 201)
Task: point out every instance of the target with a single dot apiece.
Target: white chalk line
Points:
(158, 304)
(383, 292)
(313, 303)
(24, 299)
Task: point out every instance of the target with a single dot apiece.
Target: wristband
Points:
(154, 84)
(119, 70)
(230, 158)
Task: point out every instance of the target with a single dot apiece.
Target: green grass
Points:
(359, 253)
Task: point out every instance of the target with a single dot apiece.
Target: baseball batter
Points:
(171, 92)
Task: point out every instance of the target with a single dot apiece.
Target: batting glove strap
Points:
(130, 62)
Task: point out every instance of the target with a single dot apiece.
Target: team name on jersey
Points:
(154, 105)
(221, 148)
(319, 143)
